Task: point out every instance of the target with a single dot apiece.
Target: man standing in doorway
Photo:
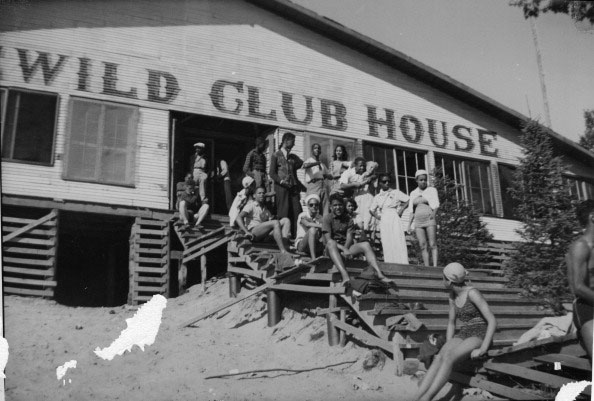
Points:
(255, 163)
(283, 169)
(198, 166)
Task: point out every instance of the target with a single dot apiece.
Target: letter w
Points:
(49, 73)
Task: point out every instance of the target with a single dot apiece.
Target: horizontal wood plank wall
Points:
(29, 259)
(148, 269)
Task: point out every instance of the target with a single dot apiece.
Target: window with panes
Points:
(28, 126)
(581, 188)
(473, 178)
(400, 163)
(102, 142)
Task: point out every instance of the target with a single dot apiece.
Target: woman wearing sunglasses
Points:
(309, 228)
(474, 338)
(387, 207)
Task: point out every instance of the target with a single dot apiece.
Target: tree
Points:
(546, 208)
(461, 230)
(587, 140)
(578, 10)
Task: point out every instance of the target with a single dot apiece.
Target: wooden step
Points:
(441, 317)
(569, 361)
(29, 262)
(547, 379)
(50, 232)
(423, 288)
(28, 281)
(440, 301)
(493, 387)
(48, 292)
(29, 251)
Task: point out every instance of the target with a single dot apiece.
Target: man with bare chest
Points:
(580, 273)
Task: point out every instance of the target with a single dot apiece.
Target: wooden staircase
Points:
(29, 254)
(197, 243)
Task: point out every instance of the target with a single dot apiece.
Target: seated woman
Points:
(256, 221)
(191, 209)
(309, 228)
(351, 209)
(472, 341)
(338, 229)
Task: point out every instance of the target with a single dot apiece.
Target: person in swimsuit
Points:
(580, 269)
(476, 330)
(422, 207)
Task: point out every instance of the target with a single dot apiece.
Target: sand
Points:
(43, 335)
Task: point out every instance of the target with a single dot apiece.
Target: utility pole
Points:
(543, 86)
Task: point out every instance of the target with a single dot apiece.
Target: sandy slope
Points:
(43, 335)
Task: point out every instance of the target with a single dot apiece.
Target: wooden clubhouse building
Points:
(102, 101)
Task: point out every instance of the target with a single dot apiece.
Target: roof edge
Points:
(414, 68)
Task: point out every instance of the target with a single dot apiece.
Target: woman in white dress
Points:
(387, 207)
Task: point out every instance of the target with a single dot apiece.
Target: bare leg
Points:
(313, 237)
(183, 212)
(202, 212)
(334, 253)
(449, 358)
(586, 332)
(435, 365)
(432, 237)
(365, 248)
(272, 226)
(423, 244)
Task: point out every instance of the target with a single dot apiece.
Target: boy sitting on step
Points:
(192, 210)
(338, 229)
(256, 221)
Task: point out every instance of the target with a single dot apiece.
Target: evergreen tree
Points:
(545, 207)
(460, 228)
(587, 140)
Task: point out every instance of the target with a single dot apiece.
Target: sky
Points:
(488, 46)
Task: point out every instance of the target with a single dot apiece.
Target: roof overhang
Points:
(400, 61)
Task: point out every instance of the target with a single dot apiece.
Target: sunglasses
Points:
(385, 181)
(313, 204)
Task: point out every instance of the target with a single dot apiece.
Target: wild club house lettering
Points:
(240, 98)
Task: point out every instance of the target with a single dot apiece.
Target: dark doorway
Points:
(92, 265)
(225, 139)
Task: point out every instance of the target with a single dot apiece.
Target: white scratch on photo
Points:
(142, 329)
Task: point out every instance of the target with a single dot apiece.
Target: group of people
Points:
(353, 181)
(339, 202)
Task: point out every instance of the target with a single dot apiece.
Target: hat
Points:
(312, 196)
(420, 172)
(455, 272)
(247, 181)
(199, 145)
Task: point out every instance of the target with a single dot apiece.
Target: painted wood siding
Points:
(152, 161)
(264, 60)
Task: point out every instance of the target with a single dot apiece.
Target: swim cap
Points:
(455, 272)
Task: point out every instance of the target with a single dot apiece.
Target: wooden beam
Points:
(85, 207)
(29, 226)
(492, 387)
(547, 379)
(569, 361)
(207, 249)
(253, 292)
(362, 335)
(308, 288)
